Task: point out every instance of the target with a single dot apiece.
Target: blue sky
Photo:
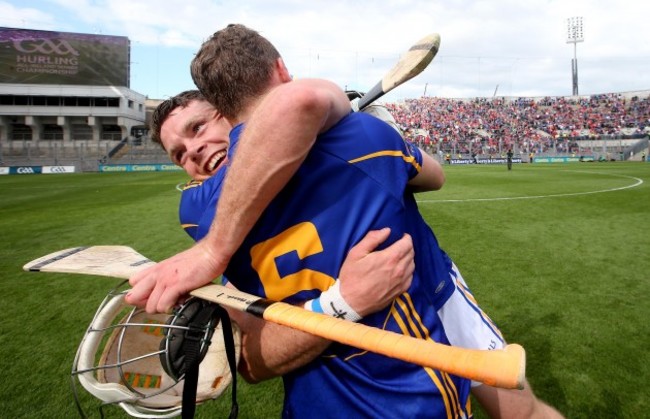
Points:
(502, 47)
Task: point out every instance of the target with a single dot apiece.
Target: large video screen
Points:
(48, 57)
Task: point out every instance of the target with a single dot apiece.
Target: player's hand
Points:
(160, 287)
(370, 280)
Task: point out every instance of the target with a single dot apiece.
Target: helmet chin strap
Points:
(189, 346)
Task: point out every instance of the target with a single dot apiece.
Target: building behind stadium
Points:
(65, 93)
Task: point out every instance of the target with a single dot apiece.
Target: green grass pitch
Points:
(558, 255)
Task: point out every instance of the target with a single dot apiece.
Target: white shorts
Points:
(465, 324)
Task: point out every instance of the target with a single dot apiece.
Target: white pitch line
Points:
(512, 198)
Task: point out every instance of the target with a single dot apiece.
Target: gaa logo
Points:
(45, 46)
(24, 170)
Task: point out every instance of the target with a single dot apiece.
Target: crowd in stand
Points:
(494, 125)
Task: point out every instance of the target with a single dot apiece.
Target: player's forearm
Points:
(512, 404)
(270, 350)
(275, 141)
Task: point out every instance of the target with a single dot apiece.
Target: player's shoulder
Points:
(191, 184)
(202, 192)
(364, 121)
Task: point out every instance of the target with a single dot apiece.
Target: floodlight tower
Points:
(574, 35)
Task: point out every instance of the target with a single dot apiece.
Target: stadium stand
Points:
(613, 125)
(606, 126)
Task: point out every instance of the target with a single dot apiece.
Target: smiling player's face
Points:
(196, 138)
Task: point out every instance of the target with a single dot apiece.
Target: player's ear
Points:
(282, 70)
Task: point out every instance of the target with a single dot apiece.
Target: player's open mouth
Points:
(216, 160)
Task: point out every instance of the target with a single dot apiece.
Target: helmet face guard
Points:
(136, 360)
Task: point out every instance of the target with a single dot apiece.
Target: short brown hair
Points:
(233, 67)
(162, 111)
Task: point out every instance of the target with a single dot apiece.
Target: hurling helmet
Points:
(375, 109)
(135, 360)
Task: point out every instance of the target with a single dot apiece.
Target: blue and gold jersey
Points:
(353, 180)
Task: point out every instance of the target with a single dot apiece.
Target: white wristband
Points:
(331, 302)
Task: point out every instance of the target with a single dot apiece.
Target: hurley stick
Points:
(416, 59)
(500, 368)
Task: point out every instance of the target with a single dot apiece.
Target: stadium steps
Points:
(116, 152)
(121, 152)
(146, 152)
